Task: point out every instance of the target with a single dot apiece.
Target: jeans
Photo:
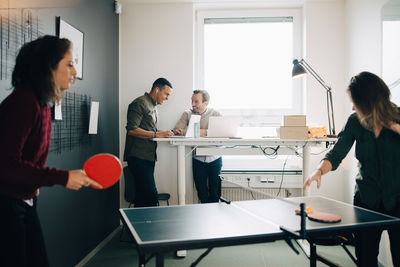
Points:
(21, 238)
(207, 181)
(143, 174)
(367, 241)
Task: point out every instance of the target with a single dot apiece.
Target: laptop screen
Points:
(190, 128)
(226, 126)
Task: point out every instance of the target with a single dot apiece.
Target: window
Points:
(391, 56)
(390, 47)
(244, 60)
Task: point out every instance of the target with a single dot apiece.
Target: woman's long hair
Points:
(35, 66)
(371, 97)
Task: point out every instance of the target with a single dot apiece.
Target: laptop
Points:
(225, 126)
(190, 128)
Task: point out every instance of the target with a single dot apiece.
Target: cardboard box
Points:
(294, 120)
(317, 132)
(293, 132)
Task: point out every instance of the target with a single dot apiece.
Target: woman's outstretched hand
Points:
(316, 176)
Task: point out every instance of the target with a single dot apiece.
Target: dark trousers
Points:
(21, 238)
(367, 241)
(207, 181)
(143, 174)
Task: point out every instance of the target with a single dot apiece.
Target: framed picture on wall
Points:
(65, 30)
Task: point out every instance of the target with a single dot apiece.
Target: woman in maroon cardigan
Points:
(44, 70)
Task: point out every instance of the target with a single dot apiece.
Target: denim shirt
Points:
(378, 178)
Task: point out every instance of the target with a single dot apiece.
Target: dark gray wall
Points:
(74, 222)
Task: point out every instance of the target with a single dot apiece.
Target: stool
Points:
(163, 197)
(130, 195)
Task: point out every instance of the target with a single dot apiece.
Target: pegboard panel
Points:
(17, 27)
(72, 131)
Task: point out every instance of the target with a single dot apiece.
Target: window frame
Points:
(261, 117)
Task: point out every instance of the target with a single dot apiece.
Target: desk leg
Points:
(181, 186)
(181, 175)
(306, 164)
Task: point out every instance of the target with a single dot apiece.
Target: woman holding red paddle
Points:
(44, 70)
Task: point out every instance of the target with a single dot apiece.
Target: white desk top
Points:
(204, 141)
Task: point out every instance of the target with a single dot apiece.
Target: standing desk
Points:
(238, 146)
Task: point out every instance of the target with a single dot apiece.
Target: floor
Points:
(118, 254)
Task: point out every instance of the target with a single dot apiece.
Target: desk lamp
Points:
(301, 68)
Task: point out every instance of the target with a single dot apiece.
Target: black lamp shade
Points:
(298, 69)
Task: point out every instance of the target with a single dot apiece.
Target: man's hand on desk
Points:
(178, 131)
(203, 132)
(163, 134)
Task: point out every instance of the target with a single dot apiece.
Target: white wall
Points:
(324, 50)
(156, 40)
(364, 46)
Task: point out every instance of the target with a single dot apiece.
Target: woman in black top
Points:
(375, 130)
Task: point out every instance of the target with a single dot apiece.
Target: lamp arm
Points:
(315, 75)
(331, 118)
(394, 84)
(329, 101)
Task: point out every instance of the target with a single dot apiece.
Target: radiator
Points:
(237, 194)
(263, 185)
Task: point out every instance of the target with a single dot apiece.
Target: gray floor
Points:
(118, 254)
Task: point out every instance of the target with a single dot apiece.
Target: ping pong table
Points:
(158, 230)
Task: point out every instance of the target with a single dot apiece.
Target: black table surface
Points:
(241, 222)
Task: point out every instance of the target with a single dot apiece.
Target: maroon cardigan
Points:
(24, 145)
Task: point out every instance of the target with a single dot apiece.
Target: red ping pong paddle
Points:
(324, 217)
(106, 169)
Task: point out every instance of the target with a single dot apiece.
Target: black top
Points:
(378, 179)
